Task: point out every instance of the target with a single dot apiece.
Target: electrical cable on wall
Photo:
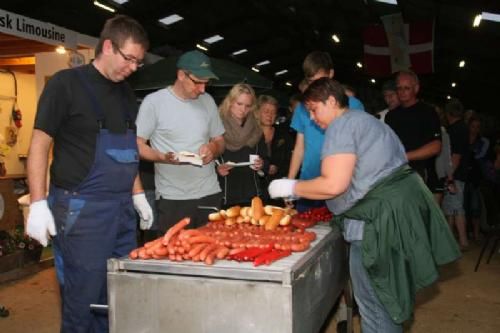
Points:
(15, 116)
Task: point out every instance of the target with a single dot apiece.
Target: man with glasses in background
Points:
(418, 127)
(183, 118)
(87, 113)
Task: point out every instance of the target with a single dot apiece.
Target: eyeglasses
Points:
(130, 59)
(196, 82)
(404, 88)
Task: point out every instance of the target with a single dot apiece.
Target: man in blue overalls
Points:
(88, 114)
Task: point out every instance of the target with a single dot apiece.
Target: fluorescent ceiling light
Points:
(239, 52)
(171, 19)
(390, 2)
(281, 72)
(288, 83)
(201, 47)
(490, 16)
(359, 65)
(60, 50)
(100, 5)
(335, 38)
(263, 63)
(213, 39)
(120, 2)
(255, 69)
(477, 21)
(461, 63)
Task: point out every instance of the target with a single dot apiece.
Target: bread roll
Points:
(214, 216)
(257, 208)
(274, 220)
(233, 211)
(285, 220)
(263, 220)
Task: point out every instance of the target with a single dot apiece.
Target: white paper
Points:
(239, 164)
(188, 157)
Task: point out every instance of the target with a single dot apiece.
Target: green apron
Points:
(405, 237)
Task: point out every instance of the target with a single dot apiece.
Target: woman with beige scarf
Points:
(239, 171)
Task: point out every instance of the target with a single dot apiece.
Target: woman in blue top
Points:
(396, 231)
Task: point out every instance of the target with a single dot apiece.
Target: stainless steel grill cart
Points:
(294, 294)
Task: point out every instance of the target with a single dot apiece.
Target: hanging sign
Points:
(25, 27)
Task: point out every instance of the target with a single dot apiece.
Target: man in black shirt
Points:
(418, 127)
(453, 202)
(88, 113)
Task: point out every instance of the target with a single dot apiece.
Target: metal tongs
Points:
(209, 207)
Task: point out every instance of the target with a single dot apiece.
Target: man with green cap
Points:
(183, 118)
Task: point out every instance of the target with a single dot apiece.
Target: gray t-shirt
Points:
(378, 153)
(173, 125)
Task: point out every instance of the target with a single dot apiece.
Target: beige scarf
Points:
(237, 136)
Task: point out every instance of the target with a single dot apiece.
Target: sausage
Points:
(234, 251)
(171, 245)
(222, 252)
(143, 254)
(299, 247)
(134, 254)
(209, 260)
(175, 229)
(200, 239)
(209, 248)
(162, 251)
(184, 234)
(196, 249)
(152, 243)
(158, 257)
(156, 244)
(186, 245)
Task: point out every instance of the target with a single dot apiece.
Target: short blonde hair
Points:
(237, 90)
(266, 99)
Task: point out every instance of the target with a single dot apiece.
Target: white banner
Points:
(21, 26)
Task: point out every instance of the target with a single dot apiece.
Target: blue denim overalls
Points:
(95, 221)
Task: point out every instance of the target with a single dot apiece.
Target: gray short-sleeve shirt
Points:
(378, 151)
(173, 125)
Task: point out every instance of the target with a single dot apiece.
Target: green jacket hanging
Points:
(405, 237)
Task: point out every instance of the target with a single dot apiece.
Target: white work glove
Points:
(282, 188)
(40, 224)
(144, 210)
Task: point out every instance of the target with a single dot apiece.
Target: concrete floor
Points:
(463, 301)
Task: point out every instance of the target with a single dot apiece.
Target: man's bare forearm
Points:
(37, 164)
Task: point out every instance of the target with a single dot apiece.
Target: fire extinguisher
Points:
(17, 117)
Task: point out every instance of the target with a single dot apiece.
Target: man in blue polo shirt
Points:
(306, 155)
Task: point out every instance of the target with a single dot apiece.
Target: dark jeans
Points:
(171, 211)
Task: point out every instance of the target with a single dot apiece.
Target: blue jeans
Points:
(374, 317)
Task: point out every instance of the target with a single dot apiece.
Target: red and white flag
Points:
(396, 45)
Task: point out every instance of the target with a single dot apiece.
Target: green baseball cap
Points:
(196, 63)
